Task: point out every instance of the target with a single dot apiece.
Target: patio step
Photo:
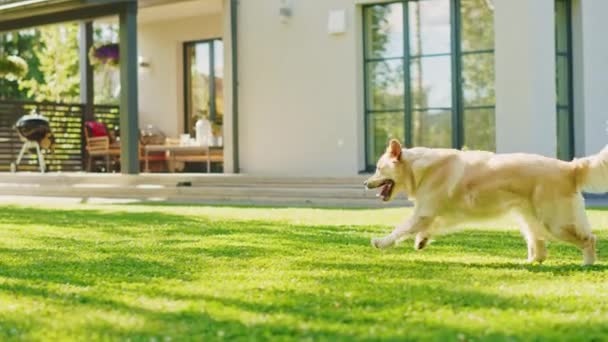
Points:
(204, 189)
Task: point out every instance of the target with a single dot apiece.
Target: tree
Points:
(58, 54)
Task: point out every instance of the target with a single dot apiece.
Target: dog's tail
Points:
(592, 172)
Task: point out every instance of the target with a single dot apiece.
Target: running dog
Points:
(451, 187)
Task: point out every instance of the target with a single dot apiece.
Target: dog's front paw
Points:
(421, 241)
(382, 243)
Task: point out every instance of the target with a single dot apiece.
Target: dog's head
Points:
(392, 173)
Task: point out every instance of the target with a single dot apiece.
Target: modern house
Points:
(316, 88)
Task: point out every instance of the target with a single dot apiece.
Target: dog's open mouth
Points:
(386, 190)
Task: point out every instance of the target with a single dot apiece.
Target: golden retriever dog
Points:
(451, 187)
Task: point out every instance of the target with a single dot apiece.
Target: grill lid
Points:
(35, 127)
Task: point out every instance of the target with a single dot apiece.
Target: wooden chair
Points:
(160, 158)
(99, 147)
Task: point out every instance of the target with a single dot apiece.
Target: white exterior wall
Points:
(299, 90)
(161, 88)
(525, 76)
(590, 75)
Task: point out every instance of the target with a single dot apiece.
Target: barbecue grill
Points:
(35, 132)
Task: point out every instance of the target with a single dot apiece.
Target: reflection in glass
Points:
(477, 25)
(561, 25)
(198, 83)
(384, 30)
(218, 61)
(381, 127)
(204, 84)
(385, 85)
(429, 27)
(478, 79)
(563, 81)
(431, 82)
(564, 134)
(428, 103)
(480, 129)
(432, 128)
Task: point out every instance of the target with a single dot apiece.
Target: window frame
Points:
(186, 79)
(456, 54)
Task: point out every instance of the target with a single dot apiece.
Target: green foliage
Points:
(59, 64)
(19, 44)
(12, 67)
(160, 273)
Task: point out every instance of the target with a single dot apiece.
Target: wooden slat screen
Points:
(66, 122)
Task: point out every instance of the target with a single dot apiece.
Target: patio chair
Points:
(158, 160)
(98, 144)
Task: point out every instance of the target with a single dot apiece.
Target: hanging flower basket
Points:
(105, 54)
(13, 68)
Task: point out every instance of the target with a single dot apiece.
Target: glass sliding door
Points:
(203, 85)
(429, 74)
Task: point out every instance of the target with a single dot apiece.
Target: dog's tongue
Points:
(385, 190)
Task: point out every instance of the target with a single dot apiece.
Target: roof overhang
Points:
(19, 14)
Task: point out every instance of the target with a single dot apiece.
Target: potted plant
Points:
(13, 67)
(105, 54)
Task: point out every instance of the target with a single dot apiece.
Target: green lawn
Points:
(170, 273)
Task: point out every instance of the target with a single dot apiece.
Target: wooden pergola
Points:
(20, 14)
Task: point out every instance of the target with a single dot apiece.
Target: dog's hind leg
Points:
(569, 223)
(415, 224)
(585, 242)
(580, 235)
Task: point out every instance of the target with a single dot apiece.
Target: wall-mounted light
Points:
(336, 24)
(285, 10)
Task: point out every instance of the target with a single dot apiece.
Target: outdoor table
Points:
(195, 150)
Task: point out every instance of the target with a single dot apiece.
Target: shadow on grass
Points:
(119, 249)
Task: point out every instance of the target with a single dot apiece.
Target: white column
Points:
(590, 75)
(525, 76)
(229, 166)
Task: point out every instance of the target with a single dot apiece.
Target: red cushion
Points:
(96, 129)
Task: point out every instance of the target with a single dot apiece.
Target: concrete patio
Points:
(219, 189)
(229, 189)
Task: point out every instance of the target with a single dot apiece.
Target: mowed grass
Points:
(172, 273)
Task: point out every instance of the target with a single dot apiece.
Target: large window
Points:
(204, 75)
(429, 74)
(563, 52)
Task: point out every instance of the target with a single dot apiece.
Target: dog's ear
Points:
(394, 149)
